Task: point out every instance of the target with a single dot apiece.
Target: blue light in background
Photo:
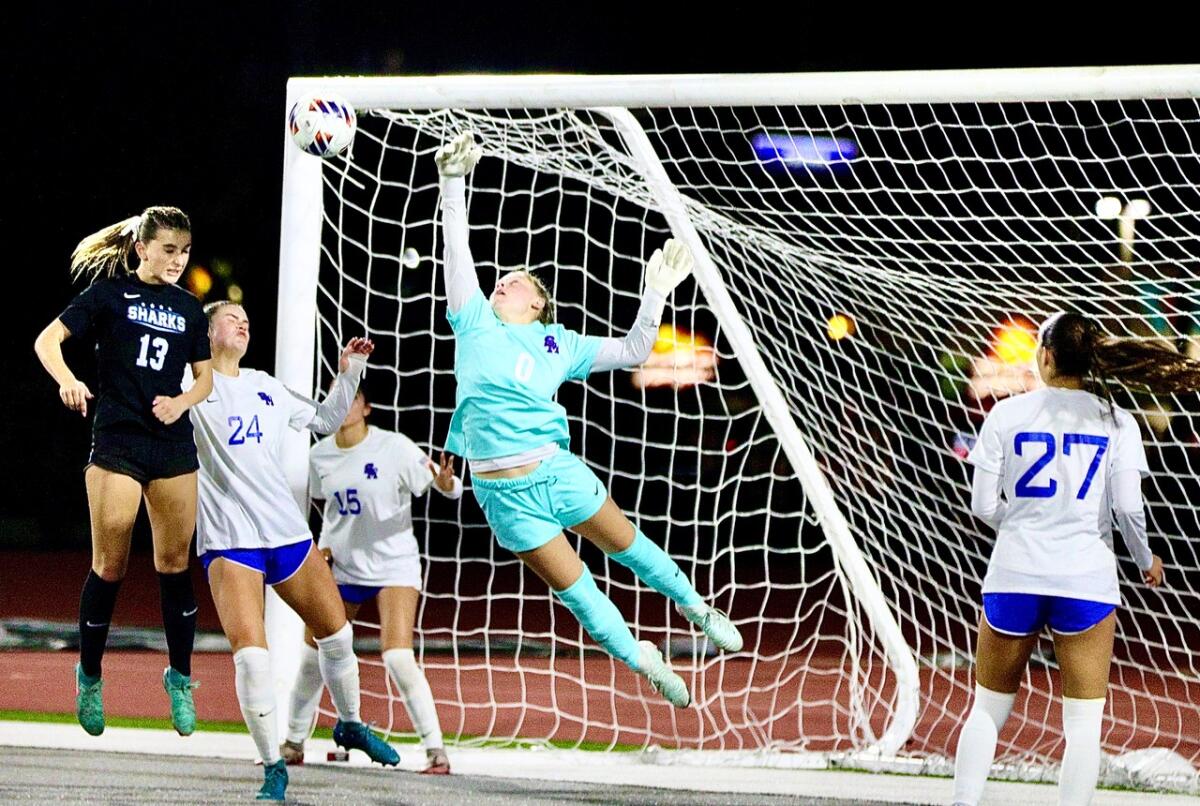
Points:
(793, 151)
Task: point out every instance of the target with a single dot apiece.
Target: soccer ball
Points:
(322, 124)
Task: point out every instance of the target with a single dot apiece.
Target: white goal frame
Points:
(612, 96)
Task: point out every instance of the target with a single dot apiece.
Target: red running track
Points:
(615, 706)
(503, 696)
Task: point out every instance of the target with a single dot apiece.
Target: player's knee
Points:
(327, 627)
(174, 562)
(240, 639)
(110, 569)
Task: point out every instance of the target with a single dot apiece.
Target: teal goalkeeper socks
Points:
(600, 617)
(656, 568)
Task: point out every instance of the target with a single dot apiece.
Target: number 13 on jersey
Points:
(1026, 486)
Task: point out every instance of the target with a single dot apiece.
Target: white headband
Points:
(1046, 324)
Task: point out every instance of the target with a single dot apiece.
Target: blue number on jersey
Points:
(252, 431)
(351, 506)
(1101, 444)
(1026, 489)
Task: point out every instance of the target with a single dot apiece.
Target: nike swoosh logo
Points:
(191, 612)
(90, 624)
(132, 296)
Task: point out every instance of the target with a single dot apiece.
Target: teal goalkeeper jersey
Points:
(508, 376)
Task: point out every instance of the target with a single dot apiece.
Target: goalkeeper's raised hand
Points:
(668, 267)
(458, 157)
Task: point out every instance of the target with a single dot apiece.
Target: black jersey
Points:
(145, 337)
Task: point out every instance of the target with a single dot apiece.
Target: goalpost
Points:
(872, 251)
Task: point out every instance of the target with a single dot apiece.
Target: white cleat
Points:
(652, 666)
(715, 624)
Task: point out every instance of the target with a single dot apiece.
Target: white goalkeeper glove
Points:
(458, 157)
(668, 267)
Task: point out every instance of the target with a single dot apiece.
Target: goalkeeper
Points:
(511, 358)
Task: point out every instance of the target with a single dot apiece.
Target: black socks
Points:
(95, 611)
(179, 618)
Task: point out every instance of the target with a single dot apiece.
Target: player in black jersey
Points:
(147, 331)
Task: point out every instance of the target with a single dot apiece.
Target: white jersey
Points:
(368, 490)
(1056, 452)
(244, 497)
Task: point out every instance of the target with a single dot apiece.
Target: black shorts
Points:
(141, 456)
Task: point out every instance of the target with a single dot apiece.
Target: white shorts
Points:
(399, 572)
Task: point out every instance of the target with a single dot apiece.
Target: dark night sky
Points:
(130, 104)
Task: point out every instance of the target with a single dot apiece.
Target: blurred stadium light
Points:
(1007, 368)
(679, 359)
(790, 151)
(199, 281)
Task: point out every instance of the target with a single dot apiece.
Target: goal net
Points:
(873, 255)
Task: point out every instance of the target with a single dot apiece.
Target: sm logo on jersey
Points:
(371, 471)
(550, 345)
(266, 398)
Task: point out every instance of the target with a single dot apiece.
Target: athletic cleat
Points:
(652, 666)
(715, 624)
(89, 704)
(437, 762)
(275, 781)
(357, 736)
(183, 709)
(292, 752)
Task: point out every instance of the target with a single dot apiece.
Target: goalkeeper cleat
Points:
(357, 736)
(652, 666)
(715, 624)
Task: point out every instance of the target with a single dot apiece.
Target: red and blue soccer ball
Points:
(322, 124)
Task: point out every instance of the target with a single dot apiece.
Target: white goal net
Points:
(874, 258)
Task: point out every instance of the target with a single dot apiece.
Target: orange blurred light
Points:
(199, 281)
(1015, 341)
(679, 359)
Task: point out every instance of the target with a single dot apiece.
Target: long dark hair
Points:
(1082, 349)
(104, 250)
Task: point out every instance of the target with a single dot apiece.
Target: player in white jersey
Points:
(1052, 467)
(250, 532)
(510, 359)
(367, 478)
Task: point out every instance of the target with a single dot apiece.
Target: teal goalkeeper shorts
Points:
(529, 511)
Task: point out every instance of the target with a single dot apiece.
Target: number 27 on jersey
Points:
(1027, 486)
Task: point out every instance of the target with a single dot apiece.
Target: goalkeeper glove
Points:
(458, 157)
(668, 267)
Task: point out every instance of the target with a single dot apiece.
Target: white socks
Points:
(306, 694)
(1081, 761)
(339, 668)
(256, 696)
(402, 666)
(977, 743)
